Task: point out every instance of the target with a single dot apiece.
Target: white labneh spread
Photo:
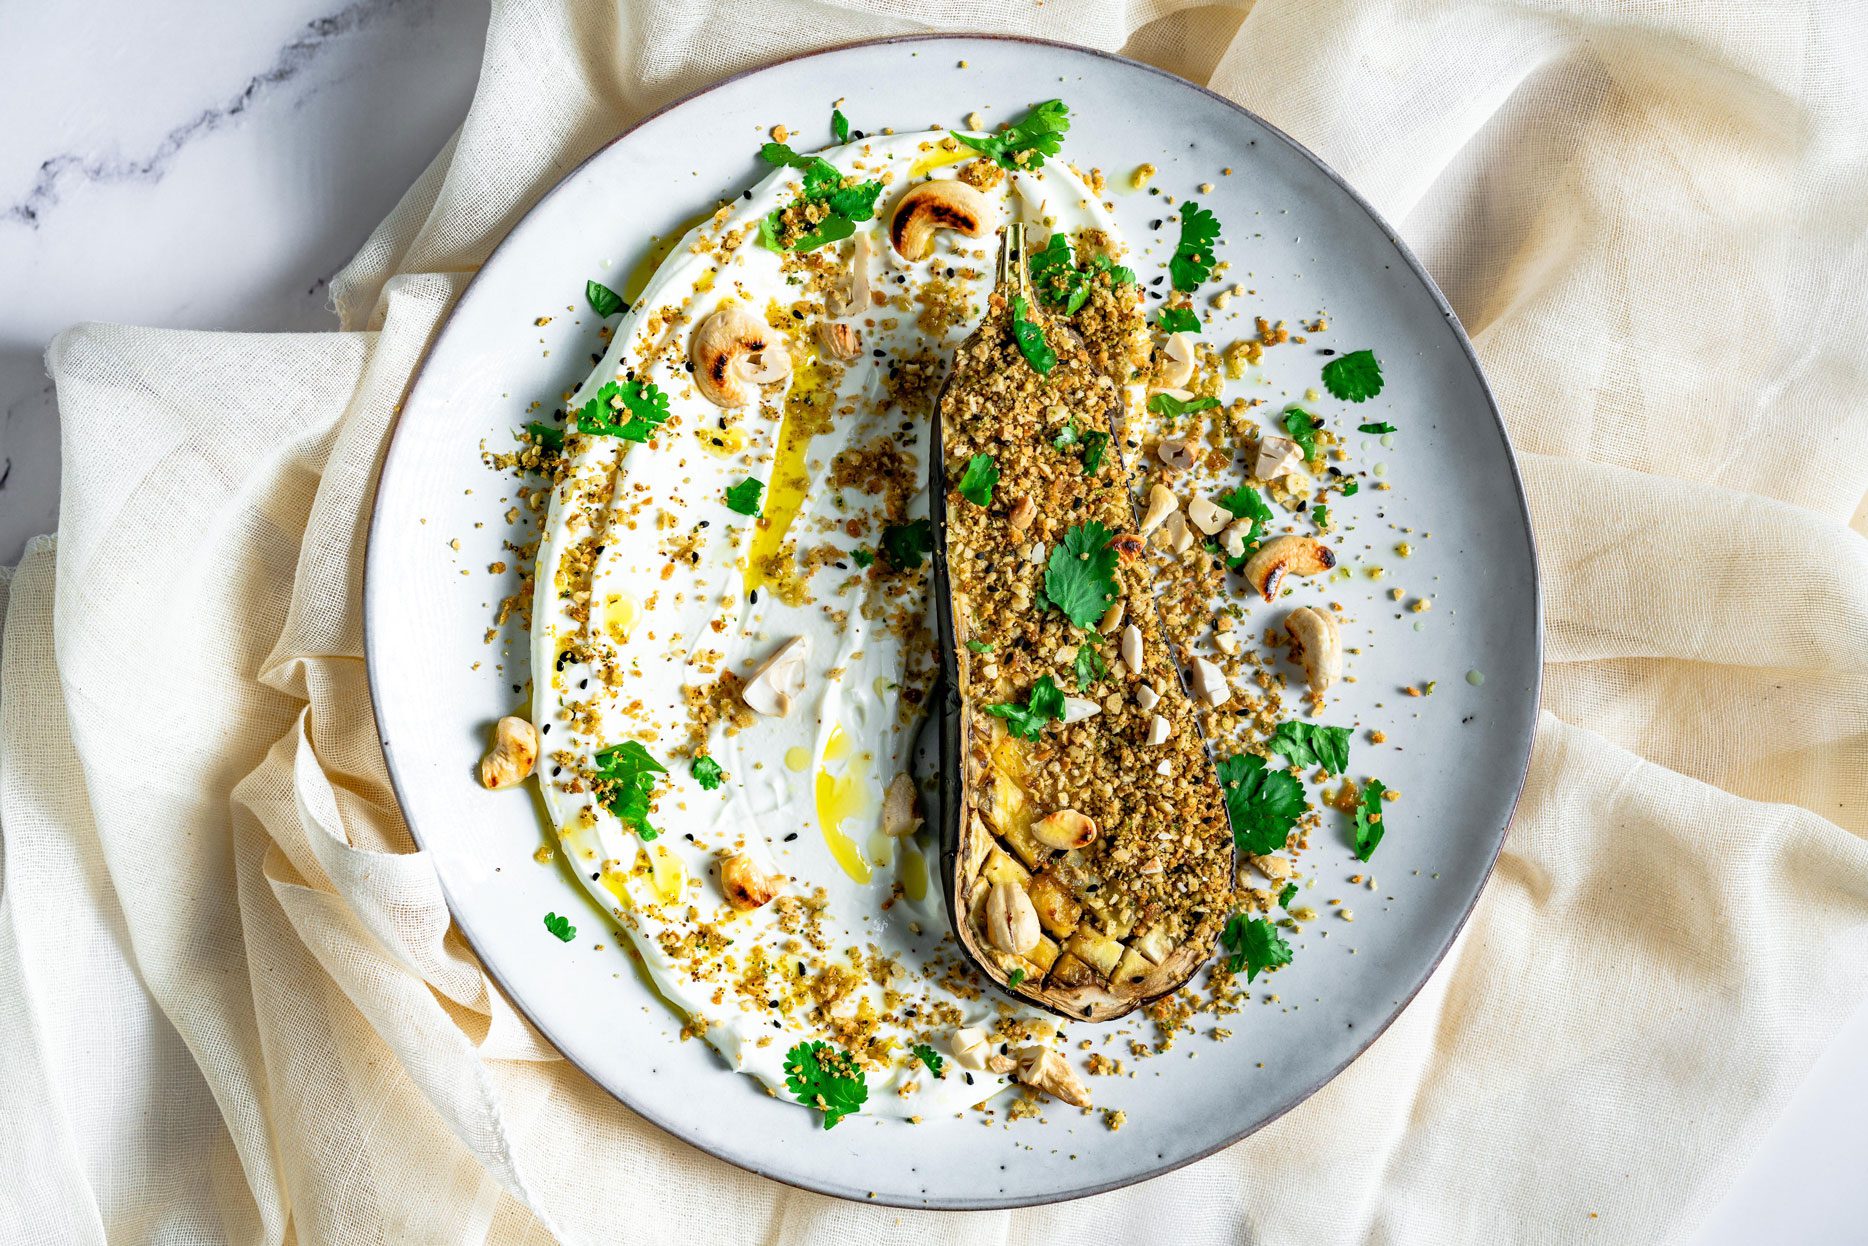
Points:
(656, 600)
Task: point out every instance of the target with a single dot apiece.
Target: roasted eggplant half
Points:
(1085, 840)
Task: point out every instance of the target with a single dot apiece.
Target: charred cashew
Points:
(1286, 555)
(746, 884)
(1011, 922)
(840, 341)
(934, 206)
(1321, 639)
(1065, 830)
(514, 753)
(733, 353)
(1050, 1072)
(779, 680)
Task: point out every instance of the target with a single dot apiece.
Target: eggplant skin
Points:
(1129, 957)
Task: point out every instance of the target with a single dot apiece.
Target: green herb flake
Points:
(1063, 281)
(928, 1056)
(603, 300)
(1090, 666)
(1351, 489)
(1376, 429)
(977, 480)
(905, 545)
(839, 125)
(1080, 577)
(1015, 977)
(1355, 377)
(1302, 428)
(707, 772)
(623, 782)
(1263, 804)
(743, 498)
(1287, 895)
(1254, 945)
(863, 557)
(1030, 338)
(550, 436)
(1045, 704)
(1322, 515)
(1179, 320)
(1067, 438)
(845, 206)
(826, 1078)
(1094, 443)
(561, 927)
(1311, 744)
(1167, 404)
(1369, 819)
(1194, 256)
(642, 404)
(979, 646)
(1025, 144)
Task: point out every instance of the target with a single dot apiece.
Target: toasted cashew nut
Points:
(734, 352)
(1179, 367)
(1050, 1072)
(779, 679)
(746, 884)
(1181, 453)
(899, 818)
(1321, 639)
(1286, 555)
(1076, 709)
(933, 206)
(514, 753)
(970, 1047)
(1277, 455)
(1161, 504)
(1011, 922)
(840, 341)
(1206, 516)
(1064, 830)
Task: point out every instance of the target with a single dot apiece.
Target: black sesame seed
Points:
(1157, 281)
(754, 597)
(1155, 224)
(545, 730)
(1327, 350)
(793, 835)
(747, 195)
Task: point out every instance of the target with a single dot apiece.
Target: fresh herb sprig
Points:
(1369, 819)
(1062, 282)
(1173, 408)
(603, 300)
(977, 481)
(906, 545)
(1044, 704)
(845, 206)
(1080, 578)
(624, 779)
(1030, 338)
(1254, 945)
(642, 404)
(743, 498)
(1025, 144)
(560, 927)
(1263, 803)
(826, 1078)
(707, 773)
(1195, 254)
(1312, 744)
(1355, 377)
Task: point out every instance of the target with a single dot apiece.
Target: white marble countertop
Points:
(154, 173)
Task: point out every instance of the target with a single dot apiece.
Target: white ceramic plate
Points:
(1306, 245)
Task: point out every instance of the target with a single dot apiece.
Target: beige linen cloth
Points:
(232, 1008)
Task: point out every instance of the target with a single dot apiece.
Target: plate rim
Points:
(371, 589)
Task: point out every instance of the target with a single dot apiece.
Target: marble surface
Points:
(200, 165)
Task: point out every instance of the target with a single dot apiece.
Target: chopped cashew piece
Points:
(733, 353)
(779, 680)
(899, 818)
(840, 341)
(1209, 682)
(970, 1047)
(1181, 454)
(1286, 555)
(1076, 709)
(1233, 542)
(1158, 731)
(1112, 617)
(1178, 533)
(1132, 647)
(514, 753)
(1178, 370)
(1023, 512)
(1277, 455)
(1321, 639)
(931, 206)
(1050, 1072)
(1066, 829)
(1161, 504)
(747, 884)
(1207, 516)
(1147, 698)
(1011, 921)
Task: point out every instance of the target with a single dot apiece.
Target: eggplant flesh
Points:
(1129, 916)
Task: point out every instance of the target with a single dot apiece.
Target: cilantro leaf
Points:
(1080, 576)
(977, 480)
(603, 300)
(1310, 744)
(645, 405)
(928, 1056)
(839, 125)
(1056, 277)
(743, 498)
(1254, 945)
(1352, 488)
(1068, 437)
(1167, 404)
(1355, 377)
(826, 1078)
(549, 436)
(1030, 339)
(979, 646)
(844, 206)
(1287, 895)
(1383, 427)
(1015, 977)
(1193, 257)
(1263, 803)
(863, 557)
(1302, 428)
(707, 772)
(1035, 136)
(561, 927)
(1090, 666)
(1369, 819)
(905, 544)
(1179, 320)
(1321, 513)
(624, 780)
(1045, 704)
(1094, 443)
